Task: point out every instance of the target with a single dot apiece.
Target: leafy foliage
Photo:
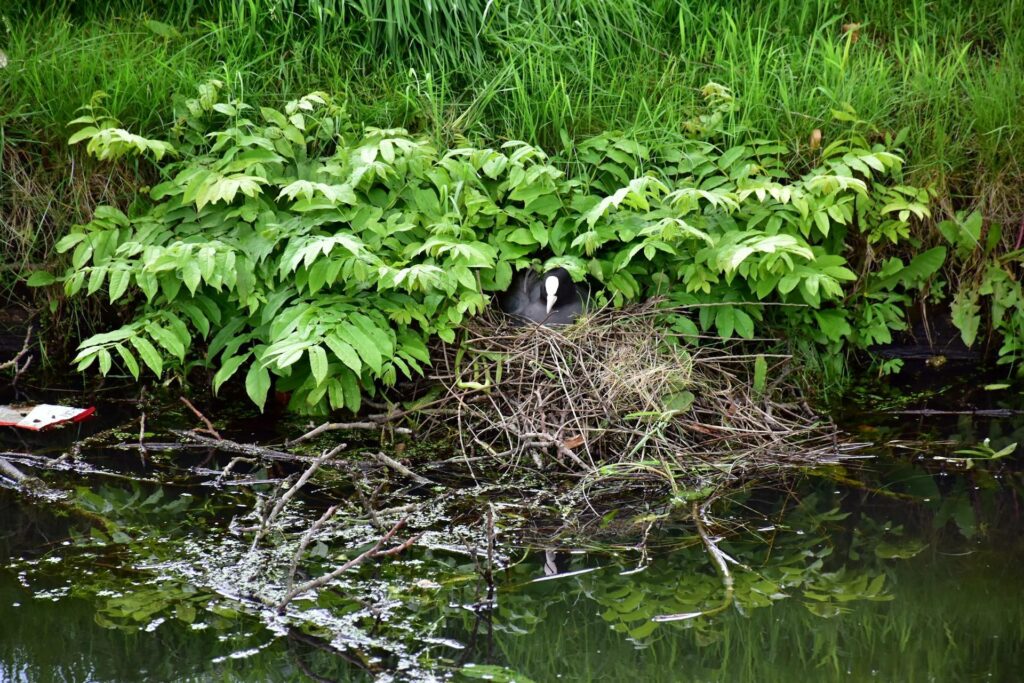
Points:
(293, 248)
(988, 290)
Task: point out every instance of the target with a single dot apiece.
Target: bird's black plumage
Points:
(548, 299)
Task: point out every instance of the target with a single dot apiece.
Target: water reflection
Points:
(904, 569)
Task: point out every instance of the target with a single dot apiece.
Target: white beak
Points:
(551, 287)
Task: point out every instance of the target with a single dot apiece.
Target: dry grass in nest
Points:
(617, 397)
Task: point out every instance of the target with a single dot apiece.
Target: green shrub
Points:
(295, 249)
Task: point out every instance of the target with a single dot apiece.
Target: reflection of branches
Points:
(719, 558)
(349, 654)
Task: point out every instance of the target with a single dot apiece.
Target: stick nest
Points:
(619, 396)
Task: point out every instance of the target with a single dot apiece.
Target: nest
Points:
(618, 395)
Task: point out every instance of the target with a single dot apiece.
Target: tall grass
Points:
(541, 71)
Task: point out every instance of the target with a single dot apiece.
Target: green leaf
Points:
(85, 133)
(148, 353)
(118, 285)
(678, 400)
(161, 29)
(724, 321)
(350, 389)
(363, 345)
(40, 278)
(257, 384)
(167, 339)
(227, 370)
(344, 352)
(129, 360)
(317, 363)
(105, 361)
(743, 323)
(923, 266)
(191, 275)
(966, 314)
(760, 375)
(68, 241)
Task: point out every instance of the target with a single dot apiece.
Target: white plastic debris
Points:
(43, 416)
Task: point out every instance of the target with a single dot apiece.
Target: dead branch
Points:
(373, 422)
(19, 367)
(12, 472)
(290, 492)
(305, 540)
(400, 468)
(209, 425)
(247, 449)
(323, 580)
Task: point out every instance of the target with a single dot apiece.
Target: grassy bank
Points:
(539, 71)
(551, 74)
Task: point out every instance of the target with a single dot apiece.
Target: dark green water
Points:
(902, 568)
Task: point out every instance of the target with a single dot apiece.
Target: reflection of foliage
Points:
(799, 566)
(827, 557)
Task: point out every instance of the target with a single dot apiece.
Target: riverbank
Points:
(931, 84)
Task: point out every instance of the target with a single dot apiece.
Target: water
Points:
(904, 567)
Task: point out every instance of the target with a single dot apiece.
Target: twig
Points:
(354, 562)
(209, 425)
(15, 362)
(290, 493)
(231, 466)
(400, 468)
(375, 422)
(142, 424)
(304, 542)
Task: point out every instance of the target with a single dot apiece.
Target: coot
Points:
(548, 299)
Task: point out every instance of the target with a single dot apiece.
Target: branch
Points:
(15, 362)
(400, 468)
(228, 446)
(373, 422)
(209, 425)
(375, 551)
(13, 472)
(290, 493)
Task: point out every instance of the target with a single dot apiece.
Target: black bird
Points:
(549, 299)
